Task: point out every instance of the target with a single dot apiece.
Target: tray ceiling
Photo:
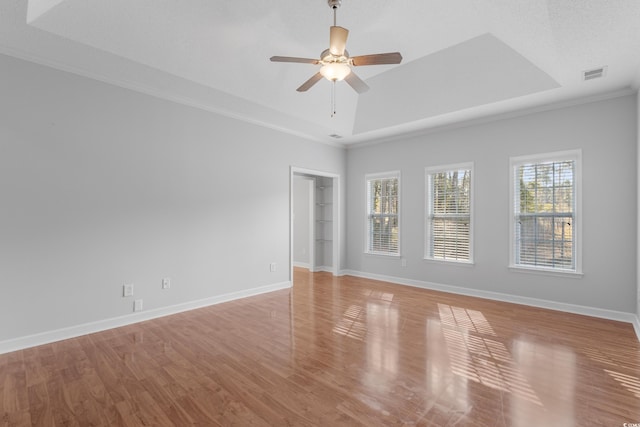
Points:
(462, 60)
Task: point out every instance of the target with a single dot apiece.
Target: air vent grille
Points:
(595, 73)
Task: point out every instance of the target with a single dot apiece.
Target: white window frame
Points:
(559, 156)
(429, 172)
(367, 243)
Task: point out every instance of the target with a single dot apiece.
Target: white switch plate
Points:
(127, 290)
(166, 283)
(137, 305)
(272, 266)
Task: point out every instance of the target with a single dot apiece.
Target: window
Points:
(545, 221)
(448, 213)
(382, 214)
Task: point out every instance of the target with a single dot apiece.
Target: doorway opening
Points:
(314, 221)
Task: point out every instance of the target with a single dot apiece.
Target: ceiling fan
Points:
(336, 62)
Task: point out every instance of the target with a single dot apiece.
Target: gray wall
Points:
(102, 186)
(606, 133)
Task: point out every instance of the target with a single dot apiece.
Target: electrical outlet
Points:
(272, 267)
(137, 305)
(404, 262)
(166, 283)
(127, 290)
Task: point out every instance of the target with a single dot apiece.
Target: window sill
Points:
(384, 254)
(546, 271)
(450, 262)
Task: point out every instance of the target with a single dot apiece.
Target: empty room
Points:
(319, 213)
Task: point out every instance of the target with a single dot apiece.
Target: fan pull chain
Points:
(333, 98)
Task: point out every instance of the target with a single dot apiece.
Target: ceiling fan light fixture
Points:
(336, 63)
(335, 71)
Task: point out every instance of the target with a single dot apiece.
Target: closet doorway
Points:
(314, 221)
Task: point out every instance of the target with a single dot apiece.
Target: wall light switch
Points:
(272, 266)
(127, 290)
(166, 283)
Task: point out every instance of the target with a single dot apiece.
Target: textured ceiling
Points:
(462, 60)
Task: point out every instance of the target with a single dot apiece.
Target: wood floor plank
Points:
(339, 351)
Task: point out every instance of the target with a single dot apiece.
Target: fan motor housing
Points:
(334, 4)
(327, 57)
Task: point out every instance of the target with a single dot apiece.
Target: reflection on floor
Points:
(418, 357)
(476, 354)
(335, 351)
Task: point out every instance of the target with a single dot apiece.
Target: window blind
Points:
(448, 230)
(545, 214)
(382, 214)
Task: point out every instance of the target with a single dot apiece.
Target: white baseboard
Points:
(497, 296)
(20, 343)
(89, 328)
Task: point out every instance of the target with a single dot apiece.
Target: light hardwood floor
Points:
(335, 351)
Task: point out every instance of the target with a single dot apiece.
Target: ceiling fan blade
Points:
(294, 59)
(356, 82)
(338, 40)
(377, 59)
(307, 85)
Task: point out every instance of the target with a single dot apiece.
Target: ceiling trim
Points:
(190, 102)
